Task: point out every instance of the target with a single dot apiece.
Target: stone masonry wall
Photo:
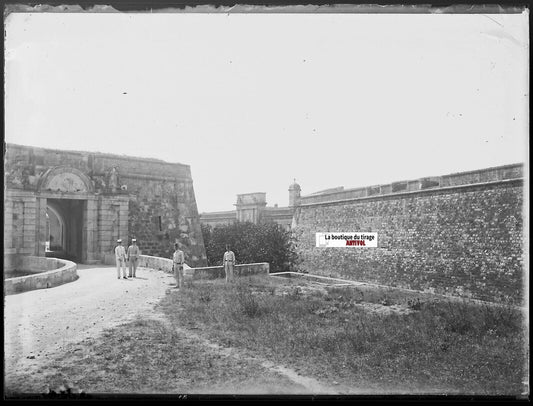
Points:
(167, 211)
(20, 210)
(49, 273)
(210, 272)
(130, 197)
(464, 241)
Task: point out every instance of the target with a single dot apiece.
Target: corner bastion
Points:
(75, 205)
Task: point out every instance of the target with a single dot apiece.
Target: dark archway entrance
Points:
(64, 231)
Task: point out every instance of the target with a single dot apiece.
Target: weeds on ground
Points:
(248, 303)
(442, 346)
(204, 296)
(414, 304)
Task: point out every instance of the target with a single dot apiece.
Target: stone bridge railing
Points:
(46, 273)
(208, 272)
(213, 272)
(159, 263)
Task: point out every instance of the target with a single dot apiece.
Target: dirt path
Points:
(41, 325)
(42, 322)
(291, 381)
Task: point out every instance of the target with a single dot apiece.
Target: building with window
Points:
(253, 207)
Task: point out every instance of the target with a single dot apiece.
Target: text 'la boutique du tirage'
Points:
(347, 239)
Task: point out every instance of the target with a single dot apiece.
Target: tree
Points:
(266, 242)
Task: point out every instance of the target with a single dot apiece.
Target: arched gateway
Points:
(76, 205)
(70, 201)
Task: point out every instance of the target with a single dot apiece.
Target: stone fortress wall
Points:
(100, 198)
(459, 234)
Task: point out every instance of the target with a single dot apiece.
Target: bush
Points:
(266, 242)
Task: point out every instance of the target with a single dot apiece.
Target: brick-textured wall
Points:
(464, 241)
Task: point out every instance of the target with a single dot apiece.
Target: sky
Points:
(253, 101)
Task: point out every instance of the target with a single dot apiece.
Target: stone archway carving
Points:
(65, 179)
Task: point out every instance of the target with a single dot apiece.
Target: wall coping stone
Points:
(42, 280)
(435, 191)
(207, 272)
(342, 190)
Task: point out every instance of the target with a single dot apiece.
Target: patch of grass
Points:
(145, 356)
(442, 347)
(248, 302)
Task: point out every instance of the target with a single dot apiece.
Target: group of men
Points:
(130, 255)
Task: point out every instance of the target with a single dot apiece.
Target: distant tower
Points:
(294, 194)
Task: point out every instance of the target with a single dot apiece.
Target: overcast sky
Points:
(251, 101)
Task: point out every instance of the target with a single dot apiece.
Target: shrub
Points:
(266, 242)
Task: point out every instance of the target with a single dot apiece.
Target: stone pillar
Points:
(123, 221)
(8, 224)
(105, 227)
(105, 238)
(111, 222)
(40, 229)
(9, 250)
(90, 232)
(29, 221)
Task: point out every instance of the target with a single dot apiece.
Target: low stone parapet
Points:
(208, 272)
(161, 264)
(39, 264)
(46, 273)
(214, 272)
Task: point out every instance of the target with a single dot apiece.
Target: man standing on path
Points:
(177, 264)
(120, 256)
(228, 261)
(133, 256)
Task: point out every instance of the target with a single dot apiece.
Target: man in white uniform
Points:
(120, 256)
(133, 257)
(228, 262)
(177, 263)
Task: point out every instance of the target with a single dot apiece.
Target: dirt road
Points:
(42, 322)
(42, 326)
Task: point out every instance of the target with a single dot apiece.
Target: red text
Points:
(355, 242)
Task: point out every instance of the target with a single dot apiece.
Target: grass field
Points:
(381, 340)
(361, 340)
